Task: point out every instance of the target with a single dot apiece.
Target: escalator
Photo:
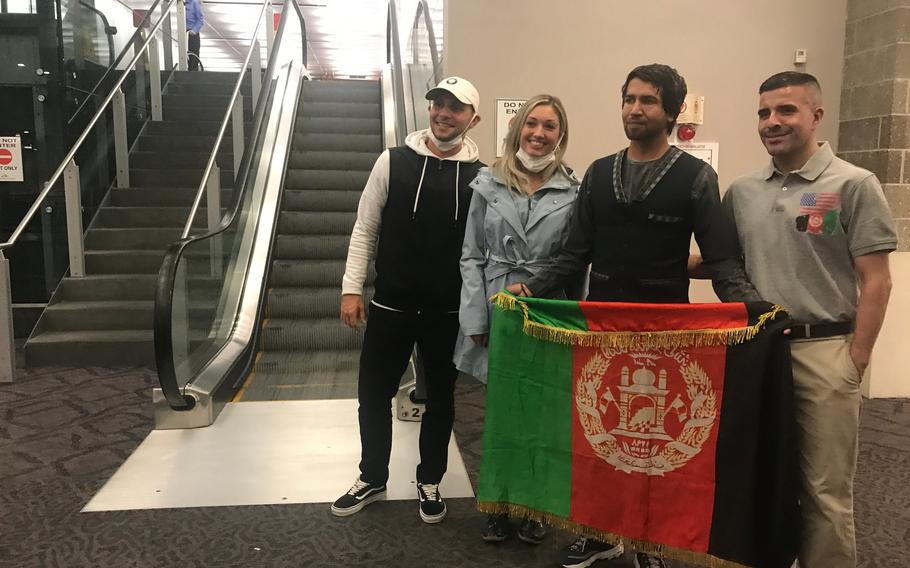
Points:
(305, 352)
(249, 311)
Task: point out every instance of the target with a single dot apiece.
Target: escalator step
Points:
(321, 200)
(282, 334)
(325, 179)
(318, 247)
(319, 223)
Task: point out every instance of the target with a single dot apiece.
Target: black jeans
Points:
(192, 47)
(387, 344)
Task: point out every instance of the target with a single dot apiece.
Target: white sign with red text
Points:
(10, 158)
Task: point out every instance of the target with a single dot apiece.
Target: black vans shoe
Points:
(358, 496)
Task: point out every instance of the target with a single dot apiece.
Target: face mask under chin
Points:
(535, 164)
(446, 145)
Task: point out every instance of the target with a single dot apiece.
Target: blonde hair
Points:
(508, 168)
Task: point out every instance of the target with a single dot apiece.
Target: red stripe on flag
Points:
(644, 436)
(619, 316)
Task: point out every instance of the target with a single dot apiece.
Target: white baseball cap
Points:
(461, 89)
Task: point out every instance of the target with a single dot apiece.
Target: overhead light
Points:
(20, 64)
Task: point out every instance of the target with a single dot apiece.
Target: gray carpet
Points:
(64, 431)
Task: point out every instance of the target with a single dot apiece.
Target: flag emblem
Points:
(818, 213)
(645, 411)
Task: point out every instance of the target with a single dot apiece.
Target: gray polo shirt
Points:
(800, 232)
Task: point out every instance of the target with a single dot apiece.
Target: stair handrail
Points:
(254, 42)
(58, 173)
(423, 10)
(113, 66)
(228, 114)
(163, 324)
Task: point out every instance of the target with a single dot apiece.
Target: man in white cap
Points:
(415, 204)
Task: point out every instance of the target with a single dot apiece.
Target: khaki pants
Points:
(827, 389)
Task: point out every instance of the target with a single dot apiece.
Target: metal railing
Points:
(172, 390)
(69, 172)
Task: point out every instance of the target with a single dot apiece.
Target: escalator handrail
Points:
(58, 173)
(423, 9)
(393, 57)
(163, 324)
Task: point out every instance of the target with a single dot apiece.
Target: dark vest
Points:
(417, 260)
(642, 247)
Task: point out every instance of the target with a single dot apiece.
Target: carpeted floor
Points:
(64, 431)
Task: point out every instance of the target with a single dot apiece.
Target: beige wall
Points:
(581, 51)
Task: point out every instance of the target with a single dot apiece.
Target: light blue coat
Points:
(498, 251)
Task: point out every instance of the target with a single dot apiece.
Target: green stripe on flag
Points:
(528, 429)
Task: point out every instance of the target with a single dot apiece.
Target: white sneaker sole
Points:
(433, 519)
(615, 552)
(338, 512)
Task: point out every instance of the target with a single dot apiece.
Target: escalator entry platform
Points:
(264, 453)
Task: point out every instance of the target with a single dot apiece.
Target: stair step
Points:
(159, 196)
(174, 177)
(201, 114)
(332, 160)
(109, 348)
(186, 143)
(100, 315)
(338, 125)
(325, 179)
(321, 200)
(317, 273)
(315, 223)
(123, 261)
(147, 217)
(312, 334)
(190, 128)
(154, 238)
(108, 287)
(337, 142)
(208, 89)
(183, 158)
(198, 100)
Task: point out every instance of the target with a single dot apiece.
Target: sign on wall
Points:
(10, 158)
(706, 151)
(506, 109)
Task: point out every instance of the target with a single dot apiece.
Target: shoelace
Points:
(579, 544)
(358, 486)
(431, 490)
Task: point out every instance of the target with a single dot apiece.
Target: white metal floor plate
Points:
(260, 453)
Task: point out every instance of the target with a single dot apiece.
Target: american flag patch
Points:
(818, 203)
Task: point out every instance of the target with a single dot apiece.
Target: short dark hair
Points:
(786, 79)
(669, 83)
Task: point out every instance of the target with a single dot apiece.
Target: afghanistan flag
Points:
(667, 426)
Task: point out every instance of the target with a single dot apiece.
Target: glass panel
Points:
(419, 65)
(21, 7)
(210, 278)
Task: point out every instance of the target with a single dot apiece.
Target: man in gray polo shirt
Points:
(816, 232)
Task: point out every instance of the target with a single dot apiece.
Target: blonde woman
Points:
(517, 223)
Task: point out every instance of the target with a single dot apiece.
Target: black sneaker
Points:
(532, 532)
(584, 552)
(496, 528)
(358, 496)
(432, 507)
(643, 560)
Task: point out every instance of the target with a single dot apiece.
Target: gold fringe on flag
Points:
(633, 339)
(688, 556)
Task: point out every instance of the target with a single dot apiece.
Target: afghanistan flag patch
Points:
(667, 426)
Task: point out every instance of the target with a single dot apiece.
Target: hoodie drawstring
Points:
(457, 172)
(419, 185)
